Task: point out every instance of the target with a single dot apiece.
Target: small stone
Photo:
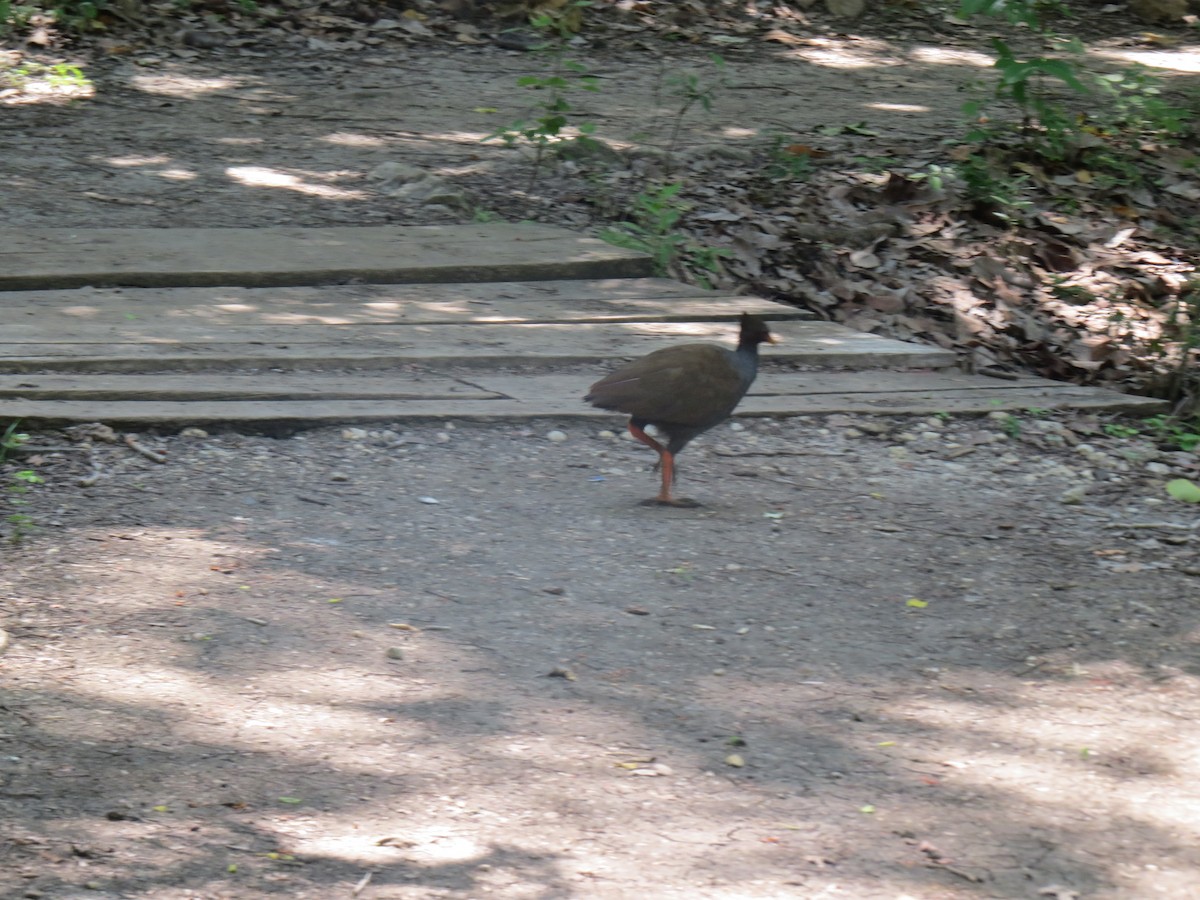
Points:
(736, 426)
(338, 476)
(193, 433)
(394, 653)
(1157, 468)
(1074, 496)
(556, 436)
(443, 438)
(607, 435)
(872, 427)
(432, 501)
(354, 434)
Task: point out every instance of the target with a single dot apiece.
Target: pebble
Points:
(607, 435)
(871, 427)
(354, 434)
(394, 653)
(1074, 496)
(736, 426)
(193, 433)
(1157, 468)
(556, 437)
(338, 476)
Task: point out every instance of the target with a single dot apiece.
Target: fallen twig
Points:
(152, 455)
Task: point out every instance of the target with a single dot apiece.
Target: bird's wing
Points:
(684, 385)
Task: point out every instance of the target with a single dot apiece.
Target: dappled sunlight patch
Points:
(181, 86)
(261, 176)
(134, 161)
(951, 56)
(353, 139)
(832, 53)
(1183, 61)
(178, 175)
(901, 107)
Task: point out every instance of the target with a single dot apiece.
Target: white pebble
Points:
(736, 426)
(556, 436)
(354, 434)
(338, 476)
(1073, 496)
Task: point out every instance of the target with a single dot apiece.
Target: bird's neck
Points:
(746, 359)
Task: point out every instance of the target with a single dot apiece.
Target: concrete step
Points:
(283, 403)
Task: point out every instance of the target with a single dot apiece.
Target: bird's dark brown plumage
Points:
(682, 391)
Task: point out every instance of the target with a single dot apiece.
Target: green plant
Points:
(691, 89)
(1136, 103)
(993, 192)
(1171, 431)
(554, 110)
(653, 229)
(11, 440)
(14, 16)
(1124, 109)
(785, 163)
(1117, 430)
(63, 75)
(19, 522)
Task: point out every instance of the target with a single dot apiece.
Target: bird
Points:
(683, 392)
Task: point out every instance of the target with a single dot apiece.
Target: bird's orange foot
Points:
(677, 502)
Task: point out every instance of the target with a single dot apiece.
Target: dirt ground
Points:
(943, 660)
(465, 662)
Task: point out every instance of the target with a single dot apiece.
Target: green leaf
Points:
(1182, 489)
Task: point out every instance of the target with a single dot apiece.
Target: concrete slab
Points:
(159, 346)
(46, 258)
(513, 397)
(273, 386)
(590, 300)
(227, 329)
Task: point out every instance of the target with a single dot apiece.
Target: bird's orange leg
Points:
(667, 463)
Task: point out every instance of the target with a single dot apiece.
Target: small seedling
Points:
(652, 229)
(1117, 430)
(555, 113)
(19, 522)
(11, 440)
